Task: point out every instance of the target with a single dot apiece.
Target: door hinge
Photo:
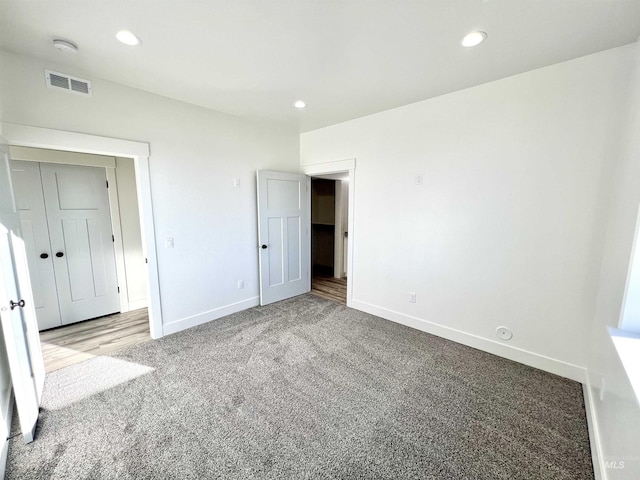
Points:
(113, 239)
(146, 260)
(118, 289)
(107, 183)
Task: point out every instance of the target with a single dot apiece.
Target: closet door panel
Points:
(35, 231)
(80, 230)
(77, 263)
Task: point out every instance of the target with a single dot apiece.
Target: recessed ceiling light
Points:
(300, 104)
(472, 39)
(128, 38)
(65, 45)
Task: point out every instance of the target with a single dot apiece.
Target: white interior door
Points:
(17, 313)
(283, 235)
(81, 238)
(29, 199)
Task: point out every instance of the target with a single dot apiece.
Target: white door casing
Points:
(19, 323)
(81, 238)
(341, 166)
(283, 235)
(33, 221)
(37, 137)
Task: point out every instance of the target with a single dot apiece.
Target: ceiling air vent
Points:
(62, 81)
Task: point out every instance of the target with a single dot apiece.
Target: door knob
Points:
(44, 255)
(59, 254)
(13, 304)
(264, 247)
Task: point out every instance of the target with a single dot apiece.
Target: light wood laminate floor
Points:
(331, 288)
(81, 341)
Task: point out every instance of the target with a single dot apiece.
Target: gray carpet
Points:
(305, 388)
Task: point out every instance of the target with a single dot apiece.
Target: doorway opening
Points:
(285, 237)
(345, 172)
(329, 236)
(80, 221)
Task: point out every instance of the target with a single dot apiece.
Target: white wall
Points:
(507, 227)
(615, 406)
(195, 155)
(131, 238)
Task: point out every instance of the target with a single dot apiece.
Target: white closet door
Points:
(17, 314)
(79, 221)
(33, 220)
(284, 211)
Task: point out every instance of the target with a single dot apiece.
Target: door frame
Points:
(341, 166)
(37, 137)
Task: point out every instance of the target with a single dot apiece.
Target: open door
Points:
(17, 312)
(283, 235)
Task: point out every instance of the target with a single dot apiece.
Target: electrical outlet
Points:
(168, 242)
(412, 297)
(504, 333)
(240, 283)
(419, 179)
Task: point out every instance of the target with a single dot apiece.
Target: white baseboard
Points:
(548, 364)
(199, 319)
(599, 472)
(138, 304)
(7, 428)
(126, 306)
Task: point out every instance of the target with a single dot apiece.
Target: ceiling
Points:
(344, 58)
